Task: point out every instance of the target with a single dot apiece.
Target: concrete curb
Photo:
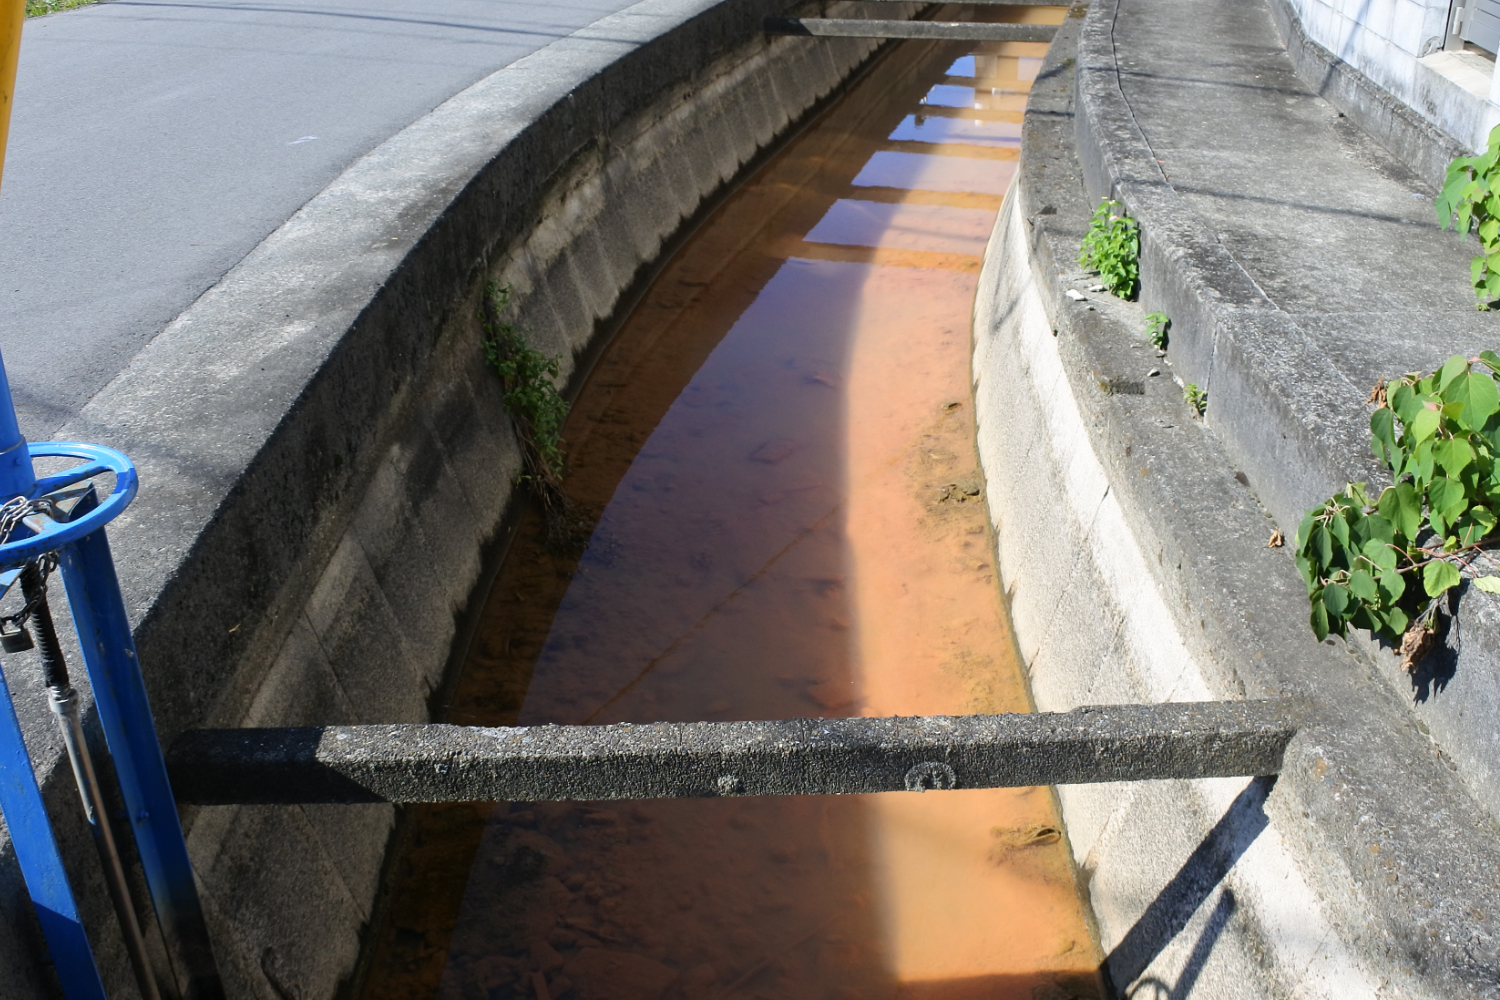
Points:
(1282, 409)
(324, 456)
(1337, 881)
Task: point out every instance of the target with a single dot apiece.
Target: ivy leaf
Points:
(1438, 576)
(1392, 585)
(1452, 368)
(1474, 526)
(1488, 584)
(1378, 549)
(1322, 546)
(1453, 455)
(1397, 622)
(1477, 396)
(1447, 500)
(1319, 619)
(1383, 435)
(1336, 600)
(1425, 424)
(1309, 576)
(1362, 586)
(1400, 505)
(1338, 525)
(1304, 531)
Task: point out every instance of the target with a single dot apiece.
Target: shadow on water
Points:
(776, 455)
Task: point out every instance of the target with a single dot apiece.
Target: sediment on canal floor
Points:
(774, 467)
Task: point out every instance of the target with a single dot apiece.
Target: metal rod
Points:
(64, 703)
(841, 27)
(88, 572)
(437, 763)
(41, 864)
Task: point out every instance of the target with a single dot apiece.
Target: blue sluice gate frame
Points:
(109, 657)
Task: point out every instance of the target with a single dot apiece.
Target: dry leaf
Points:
(1415, 644)
(1377, 394)
(1276, 540)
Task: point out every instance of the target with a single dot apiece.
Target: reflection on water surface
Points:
(777, 452)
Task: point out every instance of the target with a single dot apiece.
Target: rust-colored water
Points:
(777, 452)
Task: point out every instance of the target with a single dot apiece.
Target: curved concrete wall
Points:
(324, 456)
(1136, 564)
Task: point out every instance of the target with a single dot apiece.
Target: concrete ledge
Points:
(700, 759)
(324, 456)
(1136, 568)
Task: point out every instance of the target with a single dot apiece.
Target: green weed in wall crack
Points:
(531, 396)
(1381, 563)
(1195, 397)
(1112, 248)
(1156, 329)
(1470, 199)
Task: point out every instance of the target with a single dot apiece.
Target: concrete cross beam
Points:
(439, 763)
(842, 27)
(1006, 3)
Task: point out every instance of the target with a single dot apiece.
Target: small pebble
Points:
(1075, 295)
(1153, 373)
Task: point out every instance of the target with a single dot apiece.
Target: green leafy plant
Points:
(1195, 397)
(1382, 563)
(531, 396)
(1470, 199)
(1156, 329)
(1112, 248)
(36, 8)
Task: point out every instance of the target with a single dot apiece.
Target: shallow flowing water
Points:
(777, 456)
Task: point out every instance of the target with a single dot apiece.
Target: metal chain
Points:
(17, 509)
(12, 513)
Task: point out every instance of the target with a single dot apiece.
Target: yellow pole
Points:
(12, 14)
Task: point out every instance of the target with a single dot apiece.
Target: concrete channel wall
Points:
(1135, 561)
(325, 457)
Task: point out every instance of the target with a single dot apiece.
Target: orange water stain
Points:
(775, 460)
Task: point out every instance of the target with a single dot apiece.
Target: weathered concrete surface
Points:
(1300, 263)
(1368, 868)
(438, 763)
(318, 434)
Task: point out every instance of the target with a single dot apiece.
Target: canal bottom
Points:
(776, 455)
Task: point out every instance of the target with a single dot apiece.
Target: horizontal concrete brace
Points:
(437, 763)
(836, 27)
(1004, 3)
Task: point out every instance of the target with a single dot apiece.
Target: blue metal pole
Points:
(36, 850)
(17, 475)
(88, 572)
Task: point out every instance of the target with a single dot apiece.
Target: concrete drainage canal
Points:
(771, 507)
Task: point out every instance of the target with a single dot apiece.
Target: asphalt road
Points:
(154, 144)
